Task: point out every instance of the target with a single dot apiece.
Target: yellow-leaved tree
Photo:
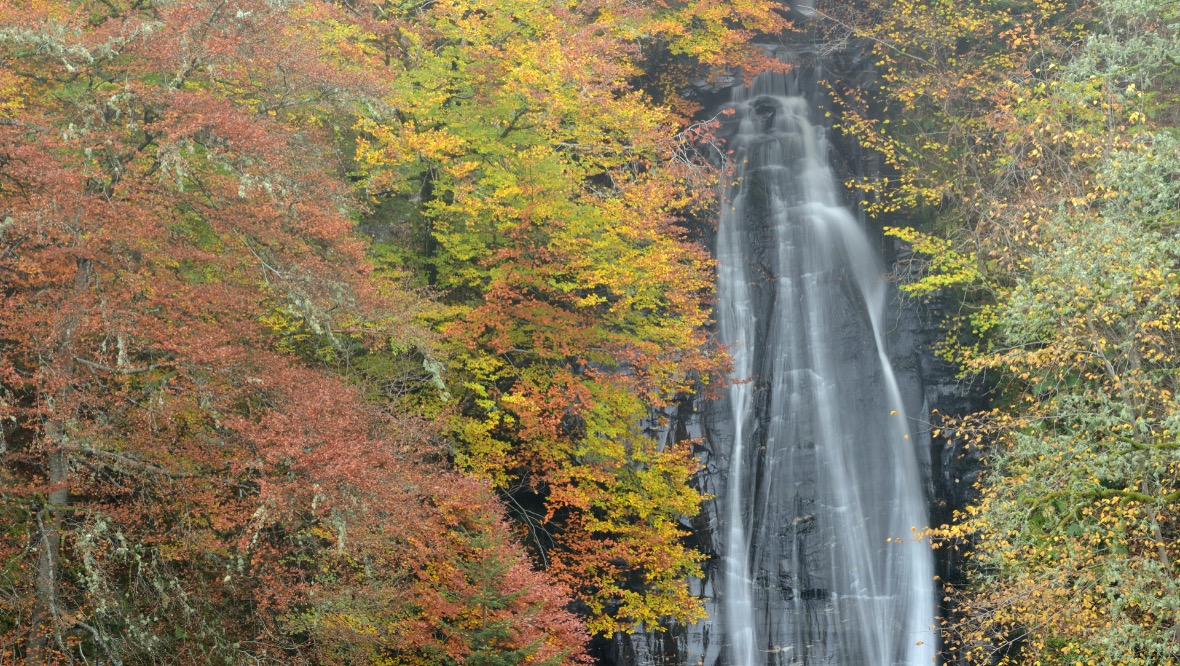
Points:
(546, 194)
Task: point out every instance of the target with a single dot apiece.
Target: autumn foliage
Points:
(234, 430)
(1038, 139)
(175, 486)
(552, 192)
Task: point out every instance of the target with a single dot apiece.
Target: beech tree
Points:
(180, 481)
(552, 191)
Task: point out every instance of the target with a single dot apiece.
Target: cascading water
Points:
(823, 489)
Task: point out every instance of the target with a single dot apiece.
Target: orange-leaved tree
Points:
(179, 482)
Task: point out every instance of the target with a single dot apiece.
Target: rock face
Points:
(821, 460)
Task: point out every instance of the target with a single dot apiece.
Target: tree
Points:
(551, 192)
(185, 477)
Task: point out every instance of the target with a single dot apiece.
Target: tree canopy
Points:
(233, 428)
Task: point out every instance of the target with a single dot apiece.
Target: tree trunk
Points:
(46, 608)
(49, 551)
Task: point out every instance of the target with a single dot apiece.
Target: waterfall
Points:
(823, 489)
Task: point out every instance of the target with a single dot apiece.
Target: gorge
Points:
(589, 333)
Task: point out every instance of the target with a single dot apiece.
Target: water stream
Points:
(823, 489)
